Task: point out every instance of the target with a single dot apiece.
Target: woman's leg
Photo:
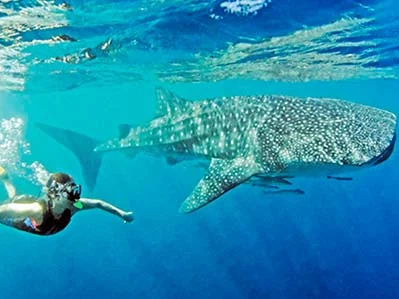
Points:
(24, 216)
(5, 216)
(5, 179)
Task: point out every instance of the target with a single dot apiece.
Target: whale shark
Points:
(246, 137)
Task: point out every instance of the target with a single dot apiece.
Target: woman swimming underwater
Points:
(52, 212)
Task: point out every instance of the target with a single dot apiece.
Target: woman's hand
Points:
(128, 217)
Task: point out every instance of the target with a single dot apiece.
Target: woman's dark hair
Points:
(59, 177)
(62, 183)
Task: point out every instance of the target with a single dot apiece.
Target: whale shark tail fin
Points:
(83, 148)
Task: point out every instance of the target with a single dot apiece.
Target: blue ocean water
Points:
(338, 240)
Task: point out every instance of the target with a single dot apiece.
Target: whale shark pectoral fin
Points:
(222, 176)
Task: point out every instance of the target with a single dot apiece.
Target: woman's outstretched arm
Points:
(89, 203)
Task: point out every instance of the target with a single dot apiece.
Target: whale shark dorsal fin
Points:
(168, 103)
(124, 130)
(222, 176)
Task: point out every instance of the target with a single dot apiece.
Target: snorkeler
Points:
(51, 213)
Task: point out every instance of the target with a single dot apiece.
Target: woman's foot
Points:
(3, 174)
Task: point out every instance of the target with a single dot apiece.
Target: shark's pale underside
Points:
(248, 136)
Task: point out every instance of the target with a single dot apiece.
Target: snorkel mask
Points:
(69, 190)
(73, 191)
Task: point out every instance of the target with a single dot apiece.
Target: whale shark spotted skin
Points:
(247, 136)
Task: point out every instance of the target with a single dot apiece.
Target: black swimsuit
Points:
(50, 225)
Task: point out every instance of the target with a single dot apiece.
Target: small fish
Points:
(339, 178)
(285, 191)
(263, 185)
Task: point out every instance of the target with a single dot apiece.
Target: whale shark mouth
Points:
(385, 154)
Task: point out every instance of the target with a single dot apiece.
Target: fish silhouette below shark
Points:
(246, 137)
